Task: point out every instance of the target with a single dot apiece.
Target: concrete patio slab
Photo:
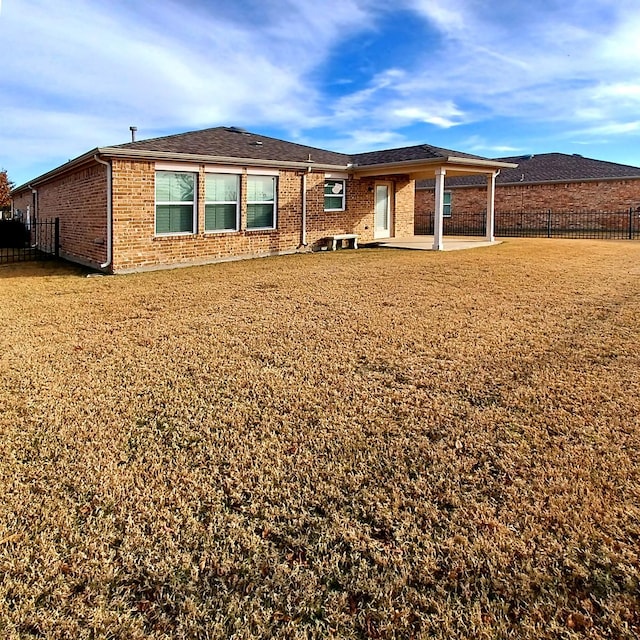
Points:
(425, 243)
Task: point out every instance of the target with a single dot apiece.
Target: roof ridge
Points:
(424, 145)
(230, 129)
(171, 135)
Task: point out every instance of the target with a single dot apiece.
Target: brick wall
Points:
(22, 201)
(135, 245)
(79, 199)
(605, 195)
(404, 207)
(361, 206)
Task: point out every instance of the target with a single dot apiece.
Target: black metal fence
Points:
(20, 242)
(543, 224)
(459, 224)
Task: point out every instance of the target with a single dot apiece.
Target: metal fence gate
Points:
(19, 242)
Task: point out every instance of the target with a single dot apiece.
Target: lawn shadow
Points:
(42, 268)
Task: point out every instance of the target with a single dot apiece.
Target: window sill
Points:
(216, 232)
(178, 234)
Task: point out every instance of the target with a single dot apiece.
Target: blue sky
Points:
(491, 78)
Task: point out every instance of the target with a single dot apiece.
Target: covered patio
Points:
(443, 163)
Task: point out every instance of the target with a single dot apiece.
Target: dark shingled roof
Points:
(418, 152)
(233, 142)
(547, 167)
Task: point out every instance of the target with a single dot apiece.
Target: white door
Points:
(383, 211)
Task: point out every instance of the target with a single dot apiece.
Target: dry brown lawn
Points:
(366, 444)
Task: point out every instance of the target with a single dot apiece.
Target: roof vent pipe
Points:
(133, 133)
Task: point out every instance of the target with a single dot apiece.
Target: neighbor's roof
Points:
(547, 167)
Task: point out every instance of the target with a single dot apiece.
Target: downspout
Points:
(34, 214)
(104, 265)
(304, 242)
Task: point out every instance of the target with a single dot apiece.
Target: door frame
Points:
(387, 232)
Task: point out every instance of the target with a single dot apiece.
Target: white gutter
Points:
(34, 214)
(104, 265)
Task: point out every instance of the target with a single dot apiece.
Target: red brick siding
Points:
(361, 206)
(404, 208)
(79, 199)
(606, 195)
(135, 245)
(21, 201)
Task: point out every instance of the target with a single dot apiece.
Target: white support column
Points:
(491, 207)
(438, 211)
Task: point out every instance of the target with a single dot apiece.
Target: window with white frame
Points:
(175, 202)
(334, 191)
(261, 202)
(446, 204)
(222, 200)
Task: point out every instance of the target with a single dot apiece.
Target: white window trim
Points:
(275, 204)
(263, 172)
(236, 202)
(194, 204)
(222, 168)
(336, 175)
(177, 167)
(447, 215)
(343, 195)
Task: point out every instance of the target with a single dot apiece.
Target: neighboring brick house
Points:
(225, 193)
(548, 181)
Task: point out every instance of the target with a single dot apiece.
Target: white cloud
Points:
(610, 128)
(444, 114)
(356, 140)
(170, 68)
(558, 56)
(618, 90)
(479, 144)
(449, 20)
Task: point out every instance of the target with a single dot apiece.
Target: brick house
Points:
(225, 193)
(548, 181)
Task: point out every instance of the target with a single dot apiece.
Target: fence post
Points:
(549, 223)
(56, 238)
(630, 223)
